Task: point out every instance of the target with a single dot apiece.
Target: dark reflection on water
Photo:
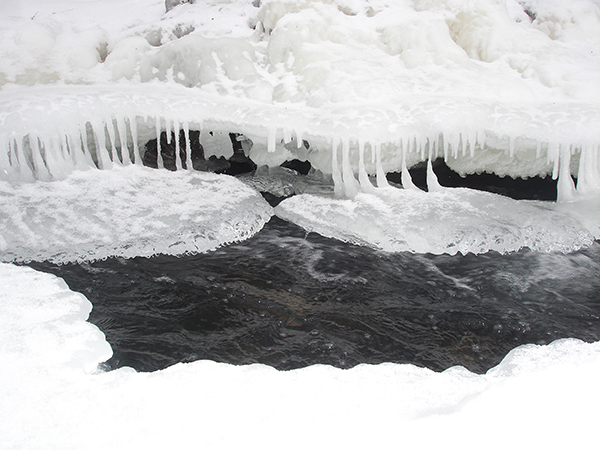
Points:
(290, 300)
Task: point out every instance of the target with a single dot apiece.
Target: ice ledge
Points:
(44, 123)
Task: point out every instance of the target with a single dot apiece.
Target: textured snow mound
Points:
(444, 221)
(43, 324)
(127, 211)
(51, 399)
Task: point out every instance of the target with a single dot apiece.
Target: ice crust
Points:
(445, 221)
(127, 211)
(53, 396)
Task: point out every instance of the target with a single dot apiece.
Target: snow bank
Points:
(127, 211)
(538, 395)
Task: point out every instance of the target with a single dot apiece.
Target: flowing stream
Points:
(288, 299)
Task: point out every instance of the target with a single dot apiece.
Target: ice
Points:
(447, 220)
(430, 75)
(127, 211)
(54, 398)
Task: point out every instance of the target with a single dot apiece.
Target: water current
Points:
(288, 299)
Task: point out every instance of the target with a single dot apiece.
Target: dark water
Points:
(290, 300)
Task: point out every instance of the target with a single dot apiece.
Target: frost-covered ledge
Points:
(54, 129)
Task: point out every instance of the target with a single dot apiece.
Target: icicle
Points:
(137, 157)
(433, 184)
(421, 144)
(110, 129)
(84, 144)
(8, 155)
(372, 145)
(25, 171)
(404, 144)
(76, 153)
(454, 142)
(472, 142)
(159, 159)
(381, 178)
(5, 161)
(554, 157)
(39, 166)
(335, 171)
(188, 146)
(68, 156)
(104, 161)
(363, 178)
(446, 144)
(299, 140)
(588, 177)
(565, 187)
(407, 182)
(538, 149)
(433, 148)
(463, 144)
(351, 186)
(168, 129)
(511, 146)
(481, 139)
(56, 164)
(287, 136)
(272, 135)
(178, 163)
(122, 133)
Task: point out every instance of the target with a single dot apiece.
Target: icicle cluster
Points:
(46, 133)
(412, 148)
(104, 143)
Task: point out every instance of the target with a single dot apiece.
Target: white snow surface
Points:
(53, 395)
(128, 211)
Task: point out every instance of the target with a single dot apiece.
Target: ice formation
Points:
(129, 211)
(507, 87)
(446, 221)
(358, 88)
(53, 398)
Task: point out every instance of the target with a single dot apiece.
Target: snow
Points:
(53, 396)
(509, 87)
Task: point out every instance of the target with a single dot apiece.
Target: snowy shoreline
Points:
(55, 397)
